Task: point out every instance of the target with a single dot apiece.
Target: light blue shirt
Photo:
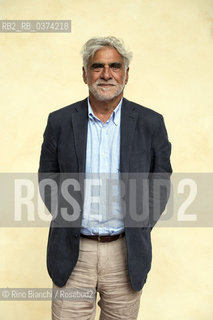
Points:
(102, 209)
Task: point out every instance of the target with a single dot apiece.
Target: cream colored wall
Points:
(171, 72)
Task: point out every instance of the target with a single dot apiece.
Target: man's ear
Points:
(127, 75)
(84, 75)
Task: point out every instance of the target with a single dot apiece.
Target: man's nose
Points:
(106, 73)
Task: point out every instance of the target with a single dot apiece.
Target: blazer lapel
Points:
(79, 123)
(128, 123)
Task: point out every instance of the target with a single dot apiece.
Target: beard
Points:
(106, 94)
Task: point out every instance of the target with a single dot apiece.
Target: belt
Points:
(104, 238)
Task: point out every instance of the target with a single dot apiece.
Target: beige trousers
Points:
(102, 267)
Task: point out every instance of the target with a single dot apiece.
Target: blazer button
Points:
(76, 235)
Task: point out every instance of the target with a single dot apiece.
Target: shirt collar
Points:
(115, 114)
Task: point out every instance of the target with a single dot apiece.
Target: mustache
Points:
(113, 83)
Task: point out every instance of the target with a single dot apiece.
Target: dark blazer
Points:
(144, 148)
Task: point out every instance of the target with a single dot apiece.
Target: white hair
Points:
(94, 44)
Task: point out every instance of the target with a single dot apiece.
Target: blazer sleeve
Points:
(48, 157)
(48, 173)
(160, 172)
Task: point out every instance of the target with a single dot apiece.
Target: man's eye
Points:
(115, 66)
(97, 66)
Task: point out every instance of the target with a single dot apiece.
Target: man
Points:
(108, 250)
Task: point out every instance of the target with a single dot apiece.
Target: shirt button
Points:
(76, 235)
